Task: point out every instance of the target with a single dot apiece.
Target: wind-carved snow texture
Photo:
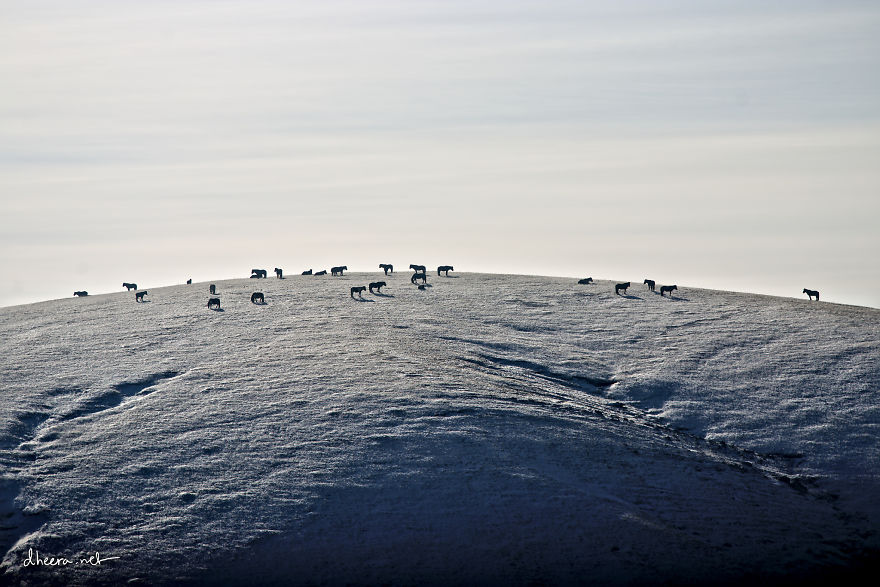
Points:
(490, 429)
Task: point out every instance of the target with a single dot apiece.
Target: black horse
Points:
(358, 290)
(322, 272)
(585, 280)
(309, 272)
(445, 268)
(212, 289)
(377, 285)
(621, 286)
(258, 274)
(139, 295)
(214, 303)
(80, 294)
(338, 270)
(130, 286)
(416, 276)
(386, 267)
(418, 268)
(668, 288)
(811, 293)
(651, 284)
(279, 273)
(258, 298)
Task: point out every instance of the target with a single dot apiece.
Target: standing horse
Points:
(446, 268)
(214, 303)
(338, 270)
(212, 289)
(130, 286)
(386, 267)
(258, 298)
(358, 290)
(811, 293)
(416, 276)
(139, 295)
(377, 285)
(667, 288)
(278, 273)
(621, 286)
(651, 284)
(418, 268)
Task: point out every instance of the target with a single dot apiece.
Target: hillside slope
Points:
(491, 428)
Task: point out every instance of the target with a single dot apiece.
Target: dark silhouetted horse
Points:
(377, 285)
(309, 272)
(338, 270)
(258, 274)
(418, 268)
(811, 293)
(585, 280)
(322, 272)
(212, 289)
(416, 276)
(386, 267)
(189, 281)
(139, 295)
(621, 286)
(130, 286)
(80, 294)
(214, 302)
(667, 288)
(445, 268)
(279, 273)
(258, 298)
(651, 284)
(358, 290)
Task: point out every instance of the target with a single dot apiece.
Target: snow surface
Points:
(490, 429)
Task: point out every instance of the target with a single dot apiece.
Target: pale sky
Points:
(728, 145)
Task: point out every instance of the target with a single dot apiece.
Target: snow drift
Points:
(492, 429)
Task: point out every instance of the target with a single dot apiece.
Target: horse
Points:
(421, 276)
(214, 302)
(386, 267)
(359, 290)
(257, 297)
(309, 272)
(322, 272)
(258, 274)
(278, 273)
(189, 281)
(651, 284)
(139, 295)
(811, 293)
(212, 289)
(418, 268)
(585, 280)
(130, 286)
(621, 286)
(338, 270)
(377, 285)
(667, 288)
(80, 294)
(446, 268)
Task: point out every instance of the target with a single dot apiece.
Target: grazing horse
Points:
(139, 295)
(80, 294)
(309, 272)
(322, 272)
(130, 286)
(358, 290)
(258, 274)
(278, 273)
(386, 267)
(621, 286)
(446, 268)
(418, 268)
(212, 289)
(377, 285)
(258, 297)
(651, 284)
(667, 288)
(585, 280)
(338, 270)
(214, 302)
(811, 293)
(416, 276)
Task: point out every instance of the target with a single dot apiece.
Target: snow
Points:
(492, 429)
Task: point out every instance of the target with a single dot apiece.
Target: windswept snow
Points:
(491, 429)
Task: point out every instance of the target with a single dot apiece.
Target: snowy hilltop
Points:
(485, 429)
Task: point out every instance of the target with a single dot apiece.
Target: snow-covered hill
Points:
(490, 429)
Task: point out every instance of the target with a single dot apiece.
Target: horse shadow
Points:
(363, 300)
(383, 295)
(217, 309)
(629, 296)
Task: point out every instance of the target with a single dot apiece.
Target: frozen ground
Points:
(490, 429)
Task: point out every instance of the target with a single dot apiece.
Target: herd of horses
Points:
(420, 274)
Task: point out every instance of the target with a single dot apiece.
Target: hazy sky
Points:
(731, 145)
